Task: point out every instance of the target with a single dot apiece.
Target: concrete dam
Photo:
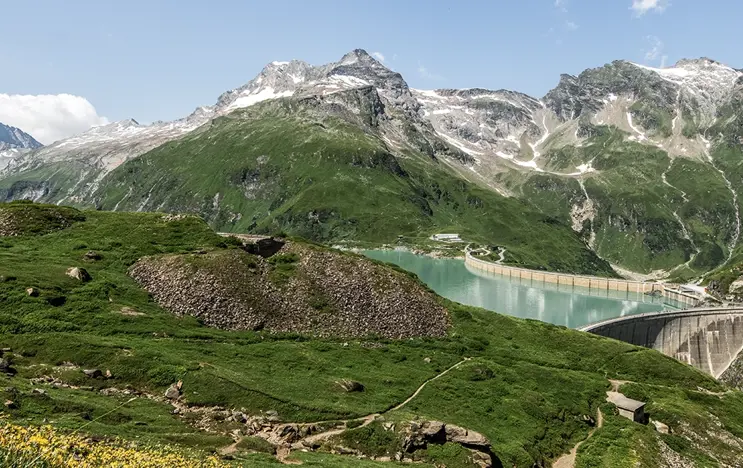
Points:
(708, 339)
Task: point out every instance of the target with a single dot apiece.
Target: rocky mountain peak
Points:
(357, 55)
(15, 138)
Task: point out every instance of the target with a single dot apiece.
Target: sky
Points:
(68, 65)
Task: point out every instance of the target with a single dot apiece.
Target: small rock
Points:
(272, 413)
(173, 392)
(10, 404)
(660, 427)
(130, 312)
(80, 274)
(32, 292)
(93, 373)
(92, 256)
(108, 374)
(38, 391)
(350, 385)
(5, 366)
(427, 360)
(87, 388)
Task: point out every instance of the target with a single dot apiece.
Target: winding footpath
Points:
(284, 451)
(568, 460)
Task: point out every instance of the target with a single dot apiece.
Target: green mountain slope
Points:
(284, 166)
(531, 388)
(641, 208)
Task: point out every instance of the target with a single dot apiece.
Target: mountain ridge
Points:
(574, 154)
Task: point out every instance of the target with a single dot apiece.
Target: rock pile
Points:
(327, 293)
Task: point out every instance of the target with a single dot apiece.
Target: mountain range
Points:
(625, 164)
(13, 141)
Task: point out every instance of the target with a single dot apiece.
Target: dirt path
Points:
(615, 384)
(423, 385)
(568, 460)
(369, 418)
(283, 452)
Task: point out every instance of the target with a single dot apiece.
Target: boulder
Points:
(660, 427)
(736, 287)
(80, 274)
(174, 391)
(92, 256)
(32, 292)
(462, 436)
(240, 417)
(5, 366)
(93, 373)
(481, 459)
(10, 404)
(350, 385)
(431, 429)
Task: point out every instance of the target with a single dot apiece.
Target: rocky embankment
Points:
(301, 288)
(733, 376)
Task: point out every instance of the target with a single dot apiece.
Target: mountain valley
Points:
(623, 164)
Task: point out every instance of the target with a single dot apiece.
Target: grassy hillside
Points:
(637, 216)
(279, 166)
(531, 388)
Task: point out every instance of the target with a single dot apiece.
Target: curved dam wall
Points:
(593, 285)
(588, 282)
(708, 339)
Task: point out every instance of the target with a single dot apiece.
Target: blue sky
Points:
(159, 59)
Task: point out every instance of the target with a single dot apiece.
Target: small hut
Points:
(631, 409)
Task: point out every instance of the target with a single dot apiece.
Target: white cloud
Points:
(640, 7)
(561, 5)
(378, 55)
(49, 117)
(571, 26)
(426, 73)
(655, 50)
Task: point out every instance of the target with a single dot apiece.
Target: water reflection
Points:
(562, 305)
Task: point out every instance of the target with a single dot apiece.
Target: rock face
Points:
(15, 138)
(302, 288)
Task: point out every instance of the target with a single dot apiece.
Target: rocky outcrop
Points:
(417, 436)
(303, 288)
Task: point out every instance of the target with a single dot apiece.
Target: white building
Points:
(447, 238)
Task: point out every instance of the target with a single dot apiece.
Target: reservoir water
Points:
(561, 305)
